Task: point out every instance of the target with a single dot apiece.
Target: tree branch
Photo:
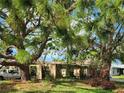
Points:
(34, 26)
(42, 46)
(6, 56)
(72, 7)
(11, 63)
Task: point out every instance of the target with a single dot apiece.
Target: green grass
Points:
(49, 87)
(118, 77)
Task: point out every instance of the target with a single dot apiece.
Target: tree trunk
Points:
(106, 58)
(25, 73)
(105, 72)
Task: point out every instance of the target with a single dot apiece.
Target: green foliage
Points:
(22, 3)
(62, 18)
(23, 57)
(16, 21)
(96, 18)
(10, 39)
(42, 6)
(93, 53)
(5, 3)
(119, 53)
(3, 46)
(16, 3)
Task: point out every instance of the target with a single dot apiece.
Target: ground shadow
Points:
(119, 84)
(49, 91)
(59, 91)
(73, 83)
(5, 88)
(9, 87)
(64, 83)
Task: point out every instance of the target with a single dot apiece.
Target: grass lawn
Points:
(118, 77)
(49, 87)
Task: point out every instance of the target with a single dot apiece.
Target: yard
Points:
(118, 77)
(50, 87)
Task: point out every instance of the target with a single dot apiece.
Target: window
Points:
(13, 71)
(4, 71)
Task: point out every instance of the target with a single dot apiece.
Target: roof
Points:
(118, 66)
(63, 63)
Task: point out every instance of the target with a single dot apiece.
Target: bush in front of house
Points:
(108, 85)
(95, 82)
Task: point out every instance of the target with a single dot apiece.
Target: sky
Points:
(50, 57)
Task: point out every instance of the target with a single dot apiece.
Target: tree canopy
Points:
(85, 28)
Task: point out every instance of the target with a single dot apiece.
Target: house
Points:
(36, 71)
(117, 70)
(59, 70)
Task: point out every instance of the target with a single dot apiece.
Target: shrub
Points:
(108, 85)
(95, 82)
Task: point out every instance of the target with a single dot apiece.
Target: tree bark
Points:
(25, 75)
(106, 58)
(105, 72)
